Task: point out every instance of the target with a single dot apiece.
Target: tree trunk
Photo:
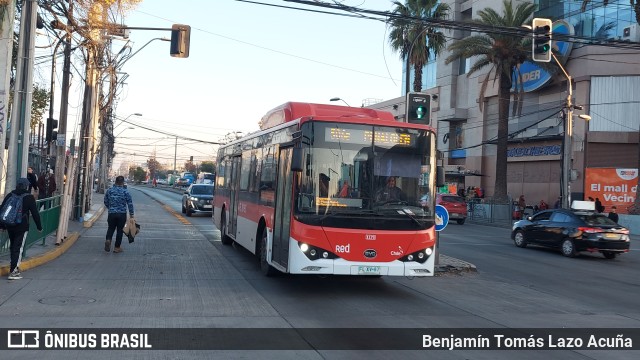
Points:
(417, 79)
(504, 98)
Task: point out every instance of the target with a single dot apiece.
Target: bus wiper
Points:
(410, 216)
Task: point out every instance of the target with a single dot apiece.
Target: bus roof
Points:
(295, 110)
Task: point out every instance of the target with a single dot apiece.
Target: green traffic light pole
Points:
(50, 122)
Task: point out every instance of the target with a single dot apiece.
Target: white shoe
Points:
(15, 275)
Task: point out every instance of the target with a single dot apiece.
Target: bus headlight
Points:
(419, 256)
(313, 252)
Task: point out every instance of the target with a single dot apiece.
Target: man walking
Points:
(18, 231)
(117, 199)
(46, 187)
(33, 180)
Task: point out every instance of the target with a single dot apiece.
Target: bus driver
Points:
(390, 192)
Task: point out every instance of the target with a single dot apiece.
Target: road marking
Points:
(178, 216)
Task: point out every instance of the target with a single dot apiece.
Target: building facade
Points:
(606, 84)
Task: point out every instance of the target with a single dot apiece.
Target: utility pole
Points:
(21, 115)
(61, 142)
(88, 128)
(6, 54)
(175, 155)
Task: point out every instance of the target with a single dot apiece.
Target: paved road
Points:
(177, 275)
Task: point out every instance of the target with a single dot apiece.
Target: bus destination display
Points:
(365, 137)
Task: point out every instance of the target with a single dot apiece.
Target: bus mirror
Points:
(439, 176)
(296, 160)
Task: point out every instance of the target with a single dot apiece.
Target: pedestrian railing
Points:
(49, 209)
(486, 211)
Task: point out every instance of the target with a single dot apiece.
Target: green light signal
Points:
(420, 112)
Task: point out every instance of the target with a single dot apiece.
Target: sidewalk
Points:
(39, 254)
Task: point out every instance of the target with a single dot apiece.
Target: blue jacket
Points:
(117, 199)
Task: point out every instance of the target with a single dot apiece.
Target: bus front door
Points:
(282, 214)
(234, 196)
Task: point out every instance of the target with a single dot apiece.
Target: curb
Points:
(38, 260)
(453, 265)
(89, 223)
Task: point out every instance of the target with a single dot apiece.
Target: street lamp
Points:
(122, 121)
(338, 99)
(129, 128)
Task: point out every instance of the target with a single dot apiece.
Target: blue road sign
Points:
(442, 217)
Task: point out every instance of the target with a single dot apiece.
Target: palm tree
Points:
(416, 38)
(502, 53)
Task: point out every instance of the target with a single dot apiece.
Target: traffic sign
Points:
(442, 217)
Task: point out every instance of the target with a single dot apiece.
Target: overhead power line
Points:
(474, 26)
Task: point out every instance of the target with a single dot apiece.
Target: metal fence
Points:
(49, 210)
(489, 212)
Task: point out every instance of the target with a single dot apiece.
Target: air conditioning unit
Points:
(631, 33)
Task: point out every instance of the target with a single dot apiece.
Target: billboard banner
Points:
(614, 187)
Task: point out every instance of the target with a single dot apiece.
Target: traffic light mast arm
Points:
(180, 38)
(142, 47)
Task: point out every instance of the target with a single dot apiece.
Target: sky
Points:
(245, 59)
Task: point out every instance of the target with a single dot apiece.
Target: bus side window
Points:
(267, 177)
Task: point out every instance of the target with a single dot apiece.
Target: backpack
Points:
(11, 212)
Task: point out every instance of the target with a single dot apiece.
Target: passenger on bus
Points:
(390, 192)
(344, 191)
(324, 185)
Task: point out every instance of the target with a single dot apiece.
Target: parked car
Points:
(572, 231)
(198, 198)
(455, 205)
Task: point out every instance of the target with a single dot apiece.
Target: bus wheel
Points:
(265, 268)
(223, 230)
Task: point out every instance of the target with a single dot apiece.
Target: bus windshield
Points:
(365, 176)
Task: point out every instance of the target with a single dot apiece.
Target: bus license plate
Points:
(369, 270)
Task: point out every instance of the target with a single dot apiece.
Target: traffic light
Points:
(541, 40)
(418, 107)
(180, 38)
(50, 134)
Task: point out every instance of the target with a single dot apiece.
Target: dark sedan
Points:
(572, 231)
(198, 198)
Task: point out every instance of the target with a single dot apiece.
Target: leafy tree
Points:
(139, 174)
(426, 39)
(40, 101)
(190, 166)
(154, 166)
(208, 166)
(502, 53)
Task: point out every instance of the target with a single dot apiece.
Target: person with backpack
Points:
(117, 199)
(14, 217)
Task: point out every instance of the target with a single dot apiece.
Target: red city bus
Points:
(325, 189)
